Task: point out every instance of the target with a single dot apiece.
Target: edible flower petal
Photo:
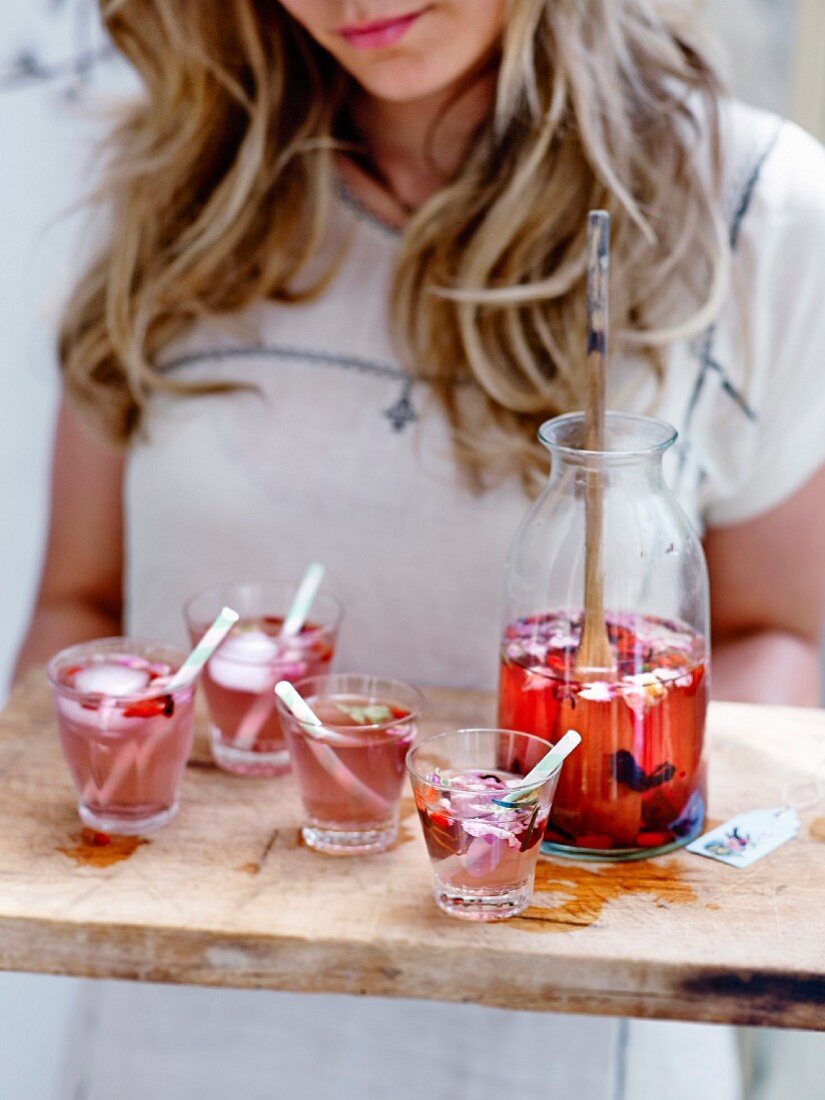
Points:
(490, 832)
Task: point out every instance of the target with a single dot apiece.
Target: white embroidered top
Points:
(341, 457)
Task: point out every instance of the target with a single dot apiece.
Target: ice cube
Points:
(74, 711)
(598, 691)
(106, 717)
(250, 645)
(245, 661)
(642, 691)
(537, 679)
(111, 679)
(235, 676)
(643, 679)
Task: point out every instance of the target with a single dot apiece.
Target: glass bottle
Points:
(636, 786)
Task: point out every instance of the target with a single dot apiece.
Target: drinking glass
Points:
(126, 740)
(350, 769)
(245, 731)
(483, 827)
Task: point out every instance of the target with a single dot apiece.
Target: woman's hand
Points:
(767, 582)
(80, 594)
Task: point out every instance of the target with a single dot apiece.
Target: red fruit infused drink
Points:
(239, 680)
(125, 738)
(350, 769)
(636, 785)
(482, 825)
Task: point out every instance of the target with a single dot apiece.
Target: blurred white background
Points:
(757, 38)
(52, 80)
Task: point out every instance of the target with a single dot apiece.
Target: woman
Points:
(342, 282)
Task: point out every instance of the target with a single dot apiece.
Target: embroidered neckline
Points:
(353, 203)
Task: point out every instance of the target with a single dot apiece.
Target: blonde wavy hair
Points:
(222, 176)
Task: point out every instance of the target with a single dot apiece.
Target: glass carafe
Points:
(636, 785)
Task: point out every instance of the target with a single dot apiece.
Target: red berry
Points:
(653, 840)
(441, 821)
(594, 842)
(145, 708)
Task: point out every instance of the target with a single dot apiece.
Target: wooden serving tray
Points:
(227, 895)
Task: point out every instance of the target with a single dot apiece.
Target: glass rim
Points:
(335, 601)
(550, 430)
(373, 727)
(521, 788)
(135, 643)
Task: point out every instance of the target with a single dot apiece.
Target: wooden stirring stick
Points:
(594, 649)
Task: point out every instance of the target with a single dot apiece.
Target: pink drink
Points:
(358, 789)
(239, 680)
(483, 826)
(637, 784)
(126, 741)
(239, 683)
(350, 770)
(476, 843)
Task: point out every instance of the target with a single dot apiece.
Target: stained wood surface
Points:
(227, 896)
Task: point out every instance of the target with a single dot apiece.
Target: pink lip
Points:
(381, 32)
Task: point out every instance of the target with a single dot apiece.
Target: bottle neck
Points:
(637, 473)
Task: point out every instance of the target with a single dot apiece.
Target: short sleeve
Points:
(779, 269)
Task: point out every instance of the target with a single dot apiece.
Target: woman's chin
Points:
(405, 82)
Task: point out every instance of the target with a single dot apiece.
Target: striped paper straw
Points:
(302, 601)
(301, 709)
(324, 753)
(296, 703)
(252, 722)
(542, 771)
(203, 650)
(137, 755)
(347, 780)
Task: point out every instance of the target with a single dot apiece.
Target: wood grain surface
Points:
(227, 895)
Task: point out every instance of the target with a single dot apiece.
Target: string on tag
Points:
(754, 834)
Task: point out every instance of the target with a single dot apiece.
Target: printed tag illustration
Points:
(748, 837)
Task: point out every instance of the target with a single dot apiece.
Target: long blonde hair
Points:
(221, 179)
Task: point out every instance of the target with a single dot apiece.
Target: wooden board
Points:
(227, 896)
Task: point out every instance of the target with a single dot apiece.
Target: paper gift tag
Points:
(748, 837)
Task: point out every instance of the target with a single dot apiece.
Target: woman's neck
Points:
(414, 148)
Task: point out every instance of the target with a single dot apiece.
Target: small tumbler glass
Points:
(483, 828)
(125, 739)
(245, 731)
(350, 770)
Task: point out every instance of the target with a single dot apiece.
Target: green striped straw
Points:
(296, 703)
(301, 710)
(302, 601)
(203, 650)
(253, 720)
(542, 771)
(324, 753)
